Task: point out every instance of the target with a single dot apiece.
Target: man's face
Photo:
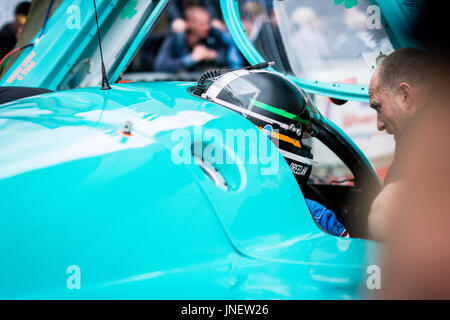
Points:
(389, 106)
(199, 24)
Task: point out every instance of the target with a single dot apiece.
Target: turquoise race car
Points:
(115, 194)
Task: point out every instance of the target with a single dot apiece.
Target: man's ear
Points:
(406, 95)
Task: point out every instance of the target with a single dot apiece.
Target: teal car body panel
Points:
(78, 192)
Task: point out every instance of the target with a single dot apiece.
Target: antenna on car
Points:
(105, 83)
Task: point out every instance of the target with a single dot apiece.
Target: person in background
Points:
(200, 47)
(10, 33)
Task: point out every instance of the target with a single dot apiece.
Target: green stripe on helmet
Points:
(277, 111)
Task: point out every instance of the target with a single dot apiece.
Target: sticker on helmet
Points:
(268, 130)
(298, 169)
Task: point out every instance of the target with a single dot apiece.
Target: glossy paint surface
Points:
(77, 191)
(139, 226)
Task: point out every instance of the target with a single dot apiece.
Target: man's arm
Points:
(382, 210)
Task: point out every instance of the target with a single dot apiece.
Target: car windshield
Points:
(324, 40)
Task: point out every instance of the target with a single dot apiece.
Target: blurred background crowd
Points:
(190, 38)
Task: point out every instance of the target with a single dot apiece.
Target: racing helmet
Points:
(275, 105)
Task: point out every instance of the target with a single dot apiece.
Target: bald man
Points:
(200, 47)
(397, 92)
